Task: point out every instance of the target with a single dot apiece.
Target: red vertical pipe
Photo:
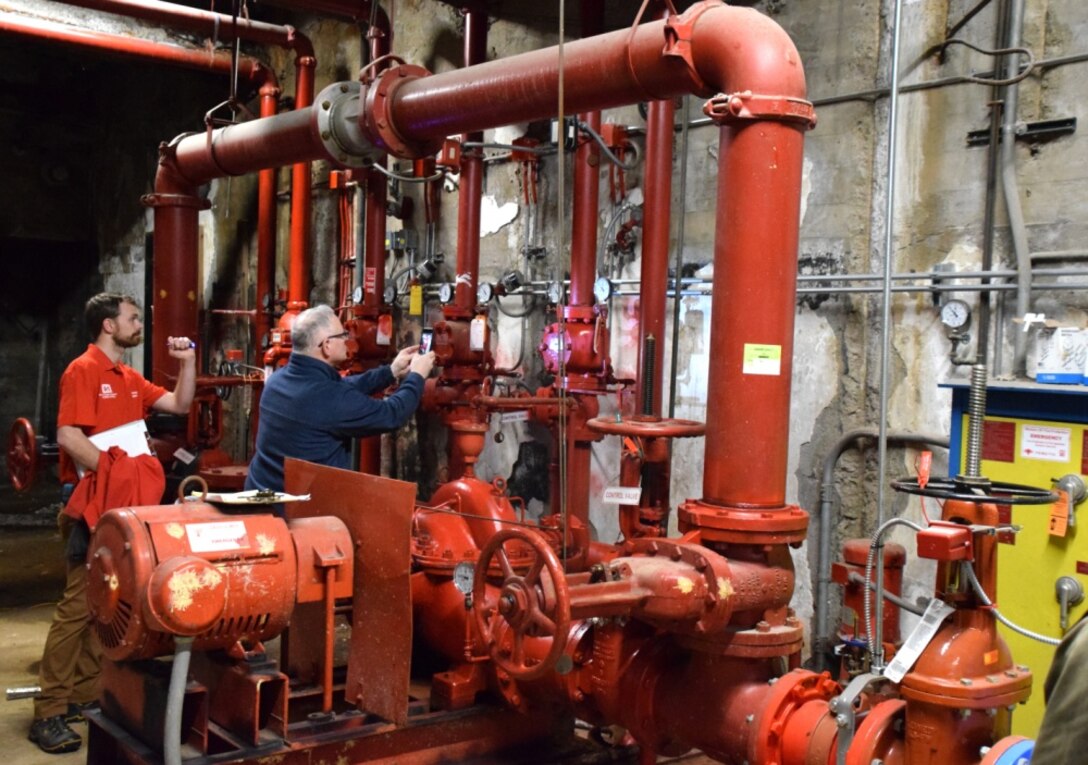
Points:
(472, 171)
(298, 270)
(755, 268)
(587, 186)
(266, 235)
(587, 195)
(657, 209)
(376, 195)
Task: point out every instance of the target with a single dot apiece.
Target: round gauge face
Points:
(555, 293)
(602, 289)
(463, 575)
(955, 314)
(445, 292)
(357, 295)
(484, 293)
(390, 294)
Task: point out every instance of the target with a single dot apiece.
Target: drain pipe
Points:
(175, 701)
(822, 639)
(1011, 190)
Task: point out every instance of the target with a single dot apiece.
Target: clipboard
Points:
(132, 437)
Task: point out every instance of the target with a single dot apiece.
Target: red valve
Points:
(22, 454)
(534, 605)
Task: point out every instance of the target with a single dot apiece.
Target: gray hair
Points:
(310, 325)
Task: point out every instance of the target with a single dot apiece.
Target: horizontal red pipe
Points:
(212, 24)
(249, 69)
(732, 49)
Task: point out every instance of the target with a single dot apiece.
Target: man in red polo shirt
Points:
(97, 393)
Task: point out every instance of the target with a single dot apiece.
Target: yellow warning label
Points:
(762, 359)
(415, 300)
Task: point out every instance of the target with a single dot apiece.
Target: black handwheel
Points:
(981, 490)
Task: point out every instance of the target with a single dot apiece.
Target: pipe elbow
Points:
(300, 44)
(736, 49)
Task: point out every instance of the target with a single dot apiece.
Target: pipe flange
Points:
(175, 200)
(789, 693)
(377, 120)
(338, 125)
(744, 525)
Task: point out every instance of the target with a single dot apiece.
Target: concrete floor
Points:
(32, 576)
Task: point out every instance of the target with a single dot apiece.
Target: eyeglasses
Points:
(338, 336)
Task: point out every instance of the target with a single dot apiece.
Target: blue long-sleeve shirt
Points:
(310, 412)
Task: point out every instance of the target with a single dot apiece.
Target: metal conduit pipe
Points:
(821, 634)
(1011, 190)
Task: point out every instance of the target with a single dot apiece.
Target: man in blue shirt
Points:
(308, 411)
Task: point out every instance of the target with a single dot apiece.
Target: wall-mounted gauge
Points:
(484, 293)
(357, 295)
(390, 294)
(602, 289)
(956, 316)
(445, 292)
(463, 575)
(555, 293)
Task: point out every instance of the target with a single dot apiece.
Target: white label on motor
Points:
(1039, 442)
(521, 415)
(622, 495)
(184, 455)
(919, 638)
(217, 537)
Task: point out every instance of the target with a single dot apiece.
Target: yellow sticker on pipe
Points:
(762, 359)
(415, 300)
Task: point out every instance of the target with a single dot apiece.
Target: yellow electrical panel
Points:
(1049, 546)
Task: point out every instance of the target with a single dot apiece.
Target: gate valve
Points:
(533, 603)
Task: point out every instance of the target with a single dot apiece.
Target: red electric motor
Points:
(190, 570)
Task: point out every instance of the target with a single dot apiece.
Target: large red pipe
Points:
(298, 269)
(266, 236)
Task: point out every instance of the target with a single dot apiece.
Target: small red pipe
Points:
(469, 200)
(298, 270)
(266, 236)
(587, 195)
(376, 196)
(655, 242)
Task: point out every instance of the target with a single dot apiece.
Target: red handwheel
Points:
(535, 604)
(22, 454)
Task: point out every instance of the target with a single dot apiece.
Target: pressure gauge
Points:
(445, 292)
(390, 294)
(555, 293)
(956, 315)
(463, 575)
(602, 289)
(484, 293)
(357, 295)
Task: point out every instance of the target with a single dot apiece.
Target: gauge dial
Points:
(390, 294)
(463, 575)
(445, 292)
(555, 293)
(357, 295)
(602, 289)
(956, 314)
(484, 293)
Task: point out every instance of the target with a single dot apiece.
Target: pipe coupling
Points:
(338, 125)
(747, 106)
(377, 118)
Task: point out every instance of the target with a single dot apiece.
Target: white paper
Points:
(132, 437)
(249, 497)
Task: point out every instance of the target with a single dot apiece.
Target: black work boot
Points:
(53, 735)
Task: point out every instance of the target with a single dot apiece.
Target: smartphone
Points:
(426, 339)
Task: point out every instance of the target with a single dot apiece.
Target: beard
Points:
(128, 341)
